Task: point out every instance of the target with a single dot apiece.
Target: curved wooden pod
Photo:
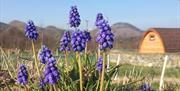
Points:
(160, 40)
(151, 42)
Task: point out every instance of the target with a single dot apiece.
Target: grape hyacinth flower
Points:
(74, 17)
(22, 76)
(145, 87)
(78, 41)
(51, 74)
(98, 18)
(31, 31)
(105, 37)
(99, 64)
(41, 83)
(87, 36)
(64, 42)
(44, 54)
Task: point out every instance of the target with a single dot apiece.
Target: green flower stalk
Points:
(103, 71)
(66, 57)
(55, 88)
(26, 88)
(80, 69)
(35, 57)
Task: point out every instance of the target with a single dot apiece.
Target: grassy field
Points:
(145, 70)
(129, 71)
(152, 74)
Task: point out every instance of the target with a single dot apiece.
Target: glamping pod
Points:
(160, 40)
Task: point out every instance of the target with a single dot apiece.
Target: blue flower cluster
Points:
(145, 87)
(30, 30)
(74, 17)
(99, 64)
(87, 36)
(41, 83)
(51, 74)
(64, 42)
(105, 37)
(22, 76)
(78, 41)
(98, 18)
(44, 54)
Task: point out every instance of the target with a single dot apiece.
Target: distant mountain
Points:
(125, 30)
(17, 24)
(12, 36)
(53, 31)
(126, 35)
(3, 26)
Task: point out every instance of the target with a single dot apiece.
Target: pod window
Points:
(151, 37)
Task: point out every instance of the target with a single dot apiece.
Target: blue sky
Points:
(141, 13)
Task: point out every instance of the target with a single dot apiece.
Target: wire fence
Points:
(146, 59)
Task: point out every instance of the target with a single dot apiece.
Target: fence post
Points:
(162, 73)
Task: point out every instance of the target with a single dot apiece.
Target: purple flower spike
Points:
(31, 31)
(51, 74)
(74, 17)
(44, 54)
(64, 42)
(87, 36)
(41, 83)
(145, 87)
(99, 64)
(22, 76)
(105, 37)
(98, 18)
(78, 41)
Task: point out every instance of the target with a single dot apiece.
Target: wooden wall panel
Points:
(152, 46)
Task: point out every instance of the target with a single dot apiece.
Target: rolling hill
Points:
(12, 35)
(126, 35)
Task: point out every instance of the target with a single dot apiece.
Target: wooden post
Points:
(162, 73)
